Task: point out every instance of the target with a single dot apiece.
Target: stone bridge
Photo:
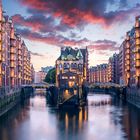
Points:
(107, 88)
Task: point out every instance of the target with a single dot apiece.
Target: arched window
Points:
(60, 66)
(72, 65)
(80, 67)
(66, 65)
(75, 65)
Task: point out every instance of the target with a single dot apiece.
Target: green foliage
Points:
(50, 77)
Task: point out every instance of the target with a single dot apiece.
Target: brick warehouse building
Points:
(131, 54)
(72, 74)
(15, 60)
(72, 61)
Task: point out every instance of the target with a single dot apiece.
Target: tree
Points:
(50, 77)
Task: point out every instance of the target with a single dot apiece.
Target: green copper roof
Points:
(79, 55)
(70, 54)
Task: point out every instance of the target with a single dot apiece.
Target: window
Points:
(64, 77)
(66, 65)
(74, 66)
(80, 67)
(60, 66)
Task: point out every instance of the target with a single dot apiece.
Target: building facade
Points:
(40, 76)
(122, 75)
(99, 74)
(46, 69)
(131, 55)
(72, 75)
(15, 60)
(104, 73)
(72, 62)
(137, 51)
(113, 69)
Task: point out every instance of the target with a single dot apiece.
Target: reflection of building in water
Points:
(99, 100)
(131, 123)
(40, 91)
(73, 120)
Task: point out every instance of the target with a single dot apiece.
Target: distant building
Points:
(99, 74)
(72, 67)
(32, 74)
(46, 69)
(104, 73)
(113, 69)
(122, 64)
(40, 76)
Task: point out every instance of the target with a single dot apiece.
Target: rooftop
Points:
(68, 54)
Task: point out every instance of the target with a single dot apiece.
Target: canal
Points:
(105, 118)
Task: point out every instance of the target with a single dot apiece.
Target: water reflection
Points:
(72, 123)
(34, 120)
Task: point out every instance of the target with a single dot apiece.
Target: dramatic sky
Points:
(47, 25)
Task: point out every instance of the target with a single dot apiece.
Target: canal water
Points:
(105, 118)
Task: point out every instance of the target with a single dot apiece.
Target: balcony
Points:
(3, 59)
(127, 51)
(0, 58)
(12, 74)
(127, 57)
(0, 70)
(137, 72)
(127, 67)
(137, 24)
(12, 64)
(128, 75)
(12, 50)
(0, 46)
(19, 52)
(127, 63)
(137, 56)
(137, 33)
(137, 63)
(13, 42)
(137, 41)
(12, 57)
(20, 58)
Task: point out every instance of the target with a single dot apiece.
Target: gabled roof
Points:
(68, 53)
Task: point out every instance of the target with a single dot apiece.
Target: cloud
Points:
(51, 38)
(123, 3)
(77, 13)
(100, 46)
(37, 54)
(49, 18)
(103, 47)
(122, 16)
(38, 22)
